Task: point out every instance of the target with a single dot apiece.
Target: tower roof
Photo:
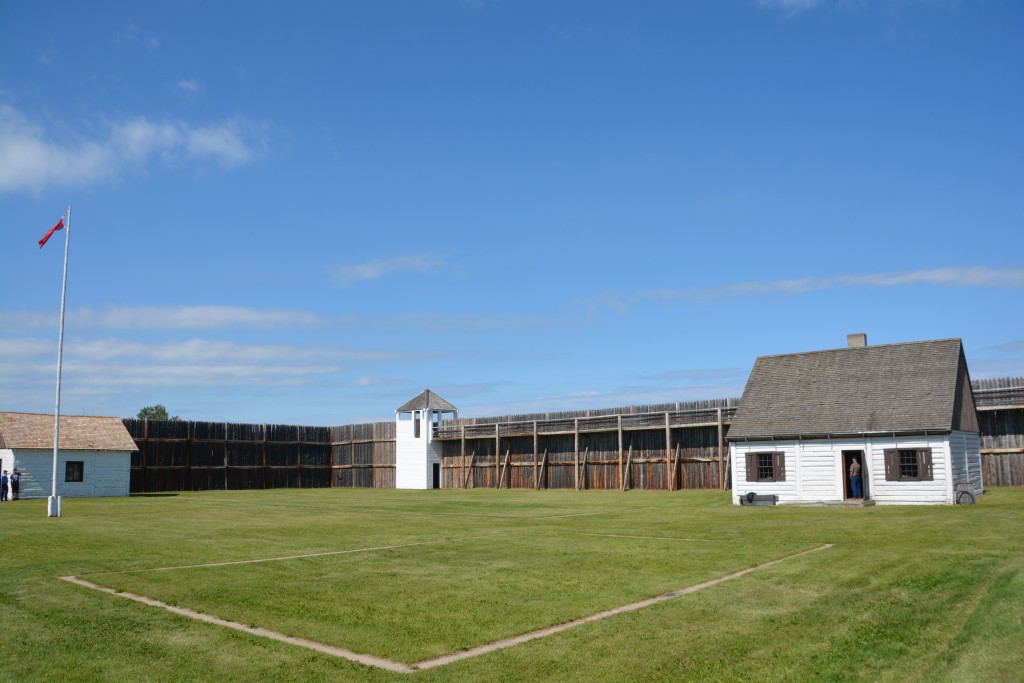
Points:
(427, 400)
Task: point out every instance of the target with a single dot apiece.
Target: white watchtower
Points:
(417, 455)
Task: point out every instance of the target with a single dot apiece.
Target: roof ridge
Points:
(863, 348)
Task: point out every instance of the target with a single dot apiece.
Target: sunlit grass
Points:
(919, 593)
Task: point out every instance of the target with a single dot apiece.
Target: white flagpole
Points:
(53, 507)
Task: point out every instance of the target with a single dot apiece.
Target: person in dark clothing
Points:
(855, 479)
(3, 486)
(15, 484)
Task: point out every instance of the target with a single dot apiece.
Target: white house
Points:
(904, 411)
(417, 454)
(93, 458)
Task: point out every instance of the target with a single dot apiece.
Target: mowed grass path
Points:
(920, 593)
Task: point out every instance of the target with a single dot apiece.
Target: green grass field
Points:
(903, 594)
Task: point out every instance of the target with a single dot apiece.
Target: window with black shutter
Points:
(908, 464)
(766, 466)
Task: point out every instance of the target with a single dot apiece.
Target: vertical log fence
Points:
(668, 447)
(680, 446)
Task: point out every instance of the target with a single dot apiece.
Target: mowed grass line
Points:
(905, 593)
(415, 602)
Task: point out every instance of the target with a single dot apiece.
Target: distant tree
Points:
(157, 412)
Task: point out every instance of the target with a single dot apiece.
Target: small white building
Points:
(904, 411)
(417, 454)
(93, 460)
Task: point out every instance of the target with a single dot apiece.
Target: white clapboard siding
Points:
(6, 459)
(415, 456)
(410, 455)
(815, 474)
(965, 455)
(105, 473)
(938, 491)
(817, 471)
(786, 491)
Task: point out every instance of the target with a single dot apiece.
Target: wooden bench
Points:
(757, 499)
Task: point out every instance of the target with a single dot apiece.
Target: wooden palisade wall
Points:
(1000, 404)
(198, 456)
(665, 447)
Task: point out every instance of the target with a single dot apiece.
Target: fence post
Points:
(669, 472)
(462, 454)
(576, 452)
(622, 476)
(534, 455)
(721, 454)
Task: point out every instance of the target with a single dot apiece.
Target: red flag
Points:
(59, 226)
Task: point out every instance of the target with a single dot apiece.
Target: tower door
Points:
(437, 475)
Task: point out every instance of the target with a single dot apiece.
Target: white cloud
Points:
(107, 370)
(207, 352)
(433, 322)
(20, 322)
(208, 317)
(1015, 346)
(139, 138)
(789, 5)
(188, 85)
(371, 270)
(968, 276)
(190, 317)
(134, 35)
(133, 353)
(28, 161)
(613, 397)
(161, 318)
(32, 161)
(222, 143)
(698, 376)
(961, 276)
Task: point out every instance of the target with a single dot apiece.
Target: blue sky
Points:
(307, 212)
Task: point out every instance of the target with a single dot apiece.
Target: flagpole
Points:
(53, 506)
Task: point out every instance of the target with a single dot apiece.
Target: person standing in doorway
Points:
(855, 481)
(15, 484)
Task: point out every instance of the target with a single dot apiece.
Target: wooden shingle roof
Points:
(77, 432)
(918, 387)
(427, 400)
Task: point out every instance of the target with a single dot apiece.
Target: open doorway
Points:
(848, 492)
(437, 475)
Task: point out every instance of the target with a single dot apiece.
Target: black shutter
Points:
(751, 466)
(924, 464)
(892, 464)
(779, 466)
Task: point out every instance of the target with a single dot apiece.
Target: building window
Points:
(766, 467)
(908, 464)
(74, 470)
(416, 424)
